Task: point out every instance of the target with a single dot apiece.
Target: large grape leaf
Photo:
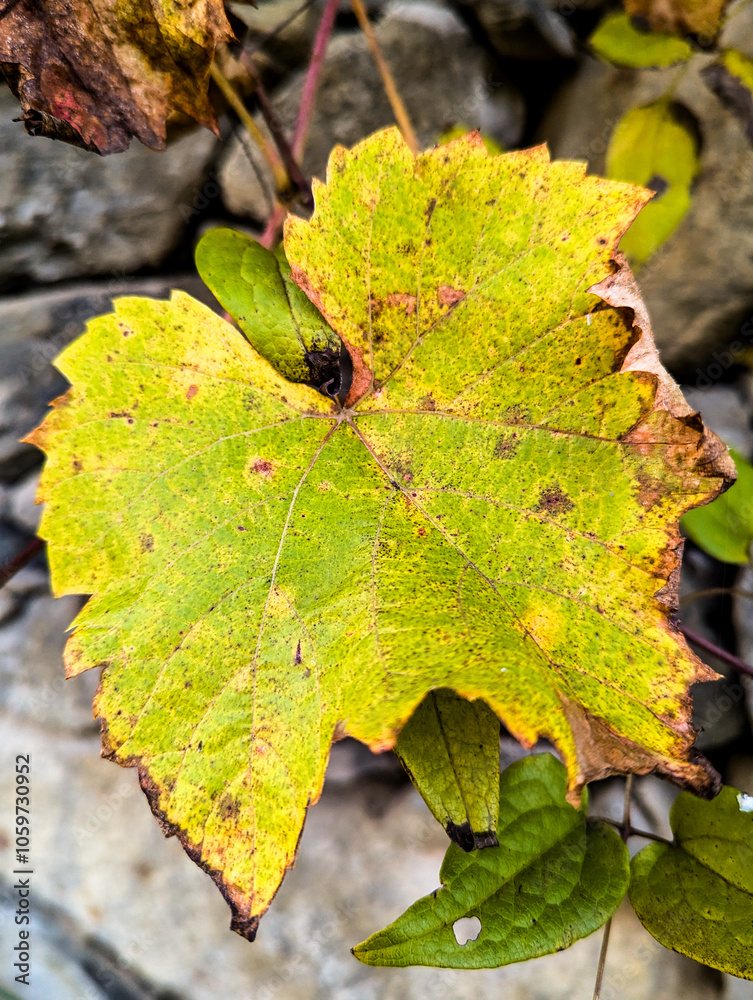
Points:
(96, 74)
(493, 510)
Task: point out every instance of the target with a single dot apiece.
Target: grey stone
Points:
(66, 213)
(429, 51)
(32, 678)
(22, 509)
(529, 29)
(699, 285)
(34, 329)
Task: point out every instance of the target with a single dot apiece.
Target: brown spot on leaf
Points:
(263, 467)
(506, 446)
(402, 300)
(146, 542)
(554, 501)
(77, 466)
(516, 415)
(449, 296)
(428, 403)
(192, 390)
(651, 491)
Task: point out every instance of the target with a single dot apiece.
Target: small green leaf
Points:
(653, 147)
(617, 41)
(450, 749)
(553, 879)
(731, 79)
(255, 287)
(724, 528)
(696, 896)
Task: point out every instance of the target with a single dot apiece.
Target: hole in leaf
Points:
(466, 929)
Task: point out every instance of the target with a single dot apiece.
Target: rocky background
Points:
(120, 912)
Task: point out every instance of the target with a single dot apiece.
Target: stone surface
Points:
(34, 328)
(699, 285)
(429, 51)
(68, 213)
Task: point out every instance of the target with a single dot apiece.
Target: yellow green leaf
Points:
(618, 41)
(696, 895)
(653, 147)
(493, 510)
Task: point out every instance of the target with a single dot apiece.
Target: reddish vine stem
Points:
(311, 82)
(722, 654)
(18, 562)
(274, 226)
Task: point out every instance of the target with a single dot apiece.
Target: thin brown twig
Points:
(396, 102)
(295, 174)
(713, 592)
(274, 225)
(624, 833)
(18, 562)
(267, 149)
(632, 832)
(721, 654)
(260, 43)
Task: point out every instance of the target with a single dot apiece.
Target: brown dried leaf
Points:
(95, 74)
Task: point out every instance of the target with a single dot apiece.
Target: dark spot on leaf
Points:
(554, 501)
(492, 201)
(228, 807)
(241, 528)
(192, 390)
(429, 211)
(579, 361)
(516, 415)
(77, 466)
(147, 542)
(506, 446)
(263, 467)
(298, 658)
